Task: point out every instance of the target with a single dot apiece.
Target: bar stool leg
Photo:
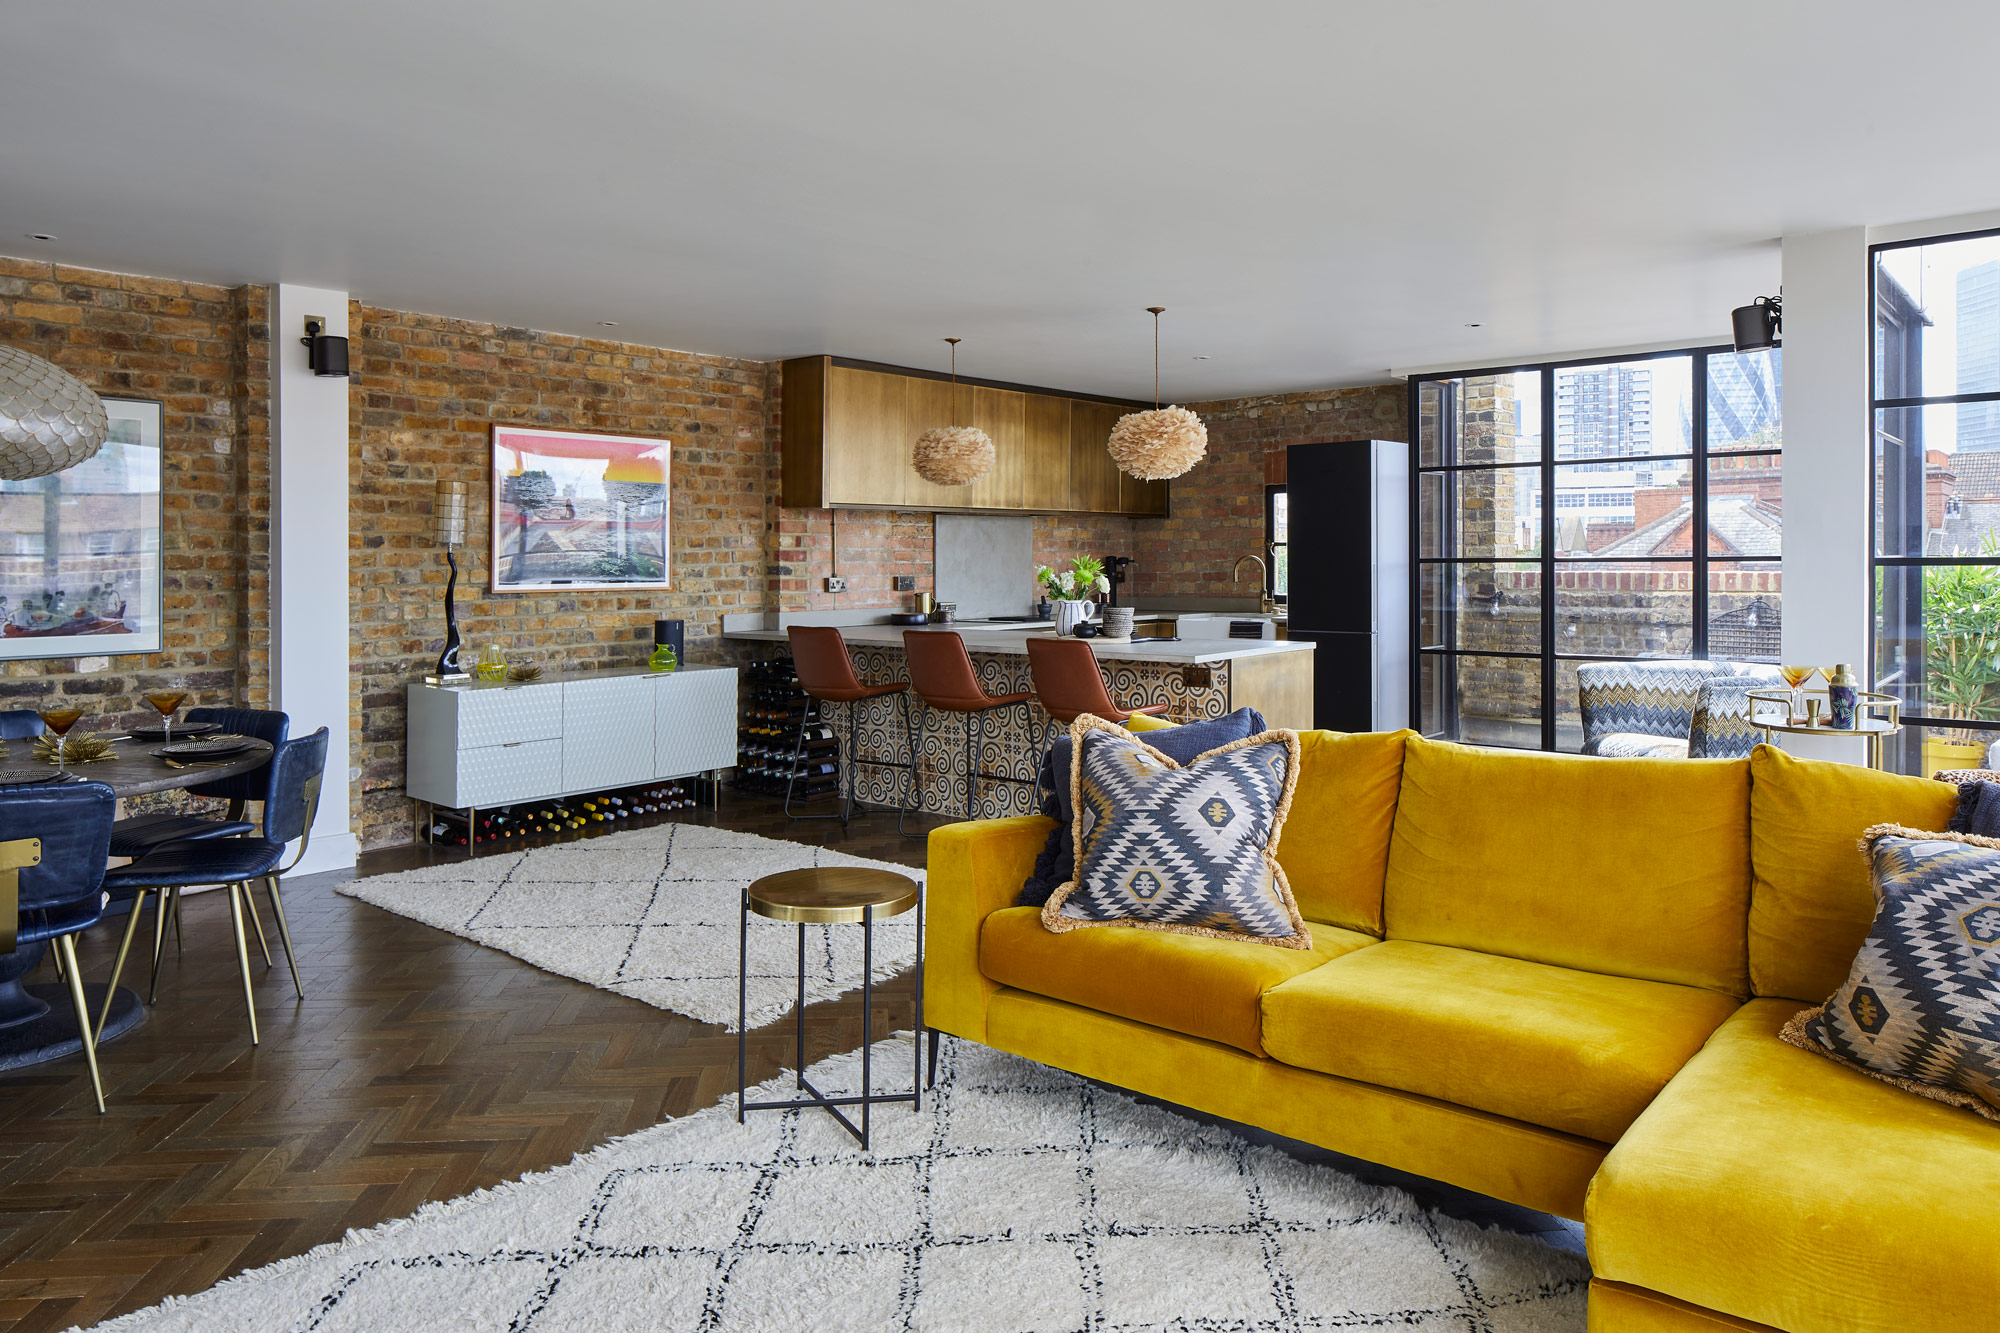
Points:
(798, 752)
(972, 720)
(916, 749)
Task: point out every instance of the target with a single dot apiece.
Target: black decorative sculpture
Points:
(448, 517)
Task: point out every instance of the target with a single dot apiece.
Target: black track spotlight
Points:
(1757, 325)
(325, 354)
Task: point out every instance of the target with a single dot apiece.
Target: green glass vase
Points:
(663, 659)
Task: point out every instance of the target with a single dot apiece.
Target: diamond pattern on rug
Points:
(650, 913)
(1019, 1199)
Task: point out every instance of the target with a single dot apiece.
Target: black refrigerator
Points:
(1348, 582)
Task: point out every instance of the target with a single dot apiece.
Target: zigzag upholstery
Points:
(1643, 709)
(1721, 728)
(1922, 1001)
(1185, 849)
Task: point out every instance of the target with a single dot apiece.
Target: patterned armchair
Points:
(1642, 709)
(1721, 727)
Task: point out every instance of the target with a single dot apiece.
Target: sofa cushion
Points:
(1633, 867)
(1336, 845)
(1566, 1050)
(1810, 899)
(1774, 1185)
(1190, 984)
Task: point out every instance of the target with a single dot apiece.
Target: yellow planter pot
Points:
(1942, 756)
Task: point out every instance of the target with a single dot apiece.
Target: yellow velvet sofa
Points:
(1550, 979)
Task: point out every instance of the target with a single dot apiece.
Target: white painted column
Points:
(1826, 336)
(309, 626)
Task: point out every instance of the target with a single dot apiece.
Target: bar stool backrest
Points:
(819, 655)
(941, 671)
(1067, 679)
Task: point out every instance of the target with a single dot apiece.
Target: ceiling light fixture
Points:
(607, 323)
(1163, 443)
(1201, 358)
(953, 455)
(49, 419)
(1474, 326)
(41, 236)
(1757, 325)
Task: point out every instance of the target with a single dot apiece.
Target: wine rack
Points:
(531, 822)
(767, 738)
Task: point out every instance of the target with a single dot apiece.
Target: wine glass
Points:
(1796, 677)
(59, 720)
(166, 701)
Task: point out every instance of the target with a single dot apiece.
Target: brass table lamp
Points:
(448, 530)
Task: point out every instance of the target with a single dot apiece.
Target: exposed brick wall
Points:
(426, 391)
(1218, 507)
(190, 347)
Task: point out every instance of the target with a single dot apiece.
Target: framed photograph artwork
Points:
(80, 549)
(573, 510)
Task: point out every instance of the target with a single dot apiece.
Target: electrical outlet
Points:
(906, 583)
(836, 584)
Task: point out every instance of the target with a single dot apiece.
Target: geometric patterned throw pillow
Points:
(1921, 1005)
(1189, 849)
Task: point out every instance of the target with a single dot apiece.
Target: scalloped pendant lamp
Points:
(953, 455)
(49, 419)
(1161, 444)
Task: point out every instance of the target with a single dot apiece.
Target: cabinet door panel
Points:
(695, 725)
(1003, 415)
(501, 774)
(1045, 455)
(1093, 477)
(601, 745)
(497, 715)
(1142, 498)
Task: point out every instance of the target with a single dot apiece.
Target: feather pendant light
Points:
(953, 455)
(1160, 444)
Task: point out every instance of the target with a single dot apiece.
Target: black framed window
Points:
(1935, 496)
(1586, 511)
(1277, 542)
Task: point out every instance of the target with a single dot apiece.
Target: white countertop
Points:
(1012, 638)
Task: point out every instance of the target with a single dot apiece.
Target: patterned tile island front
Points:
(1195, 679)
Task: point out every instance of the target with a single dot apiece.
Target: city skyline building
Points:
(1979, 354)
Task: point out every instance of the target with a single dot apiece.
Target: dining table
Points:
(38, 1023)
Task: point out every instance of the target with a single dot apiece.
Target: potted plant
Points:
(1961, 659)
(1071, 590)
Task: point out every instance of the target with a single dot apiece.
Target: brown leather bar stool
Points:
(1069, 684)
(826, 674)
(942, 675)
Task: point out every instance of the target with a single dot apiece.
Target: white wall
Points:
(309, 655)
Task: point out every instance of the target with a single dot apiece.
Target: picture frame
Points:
(577, 511)
(80, 550)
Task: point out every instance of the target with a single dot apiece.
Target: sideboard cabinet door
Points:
(605, 742)
(695, 723)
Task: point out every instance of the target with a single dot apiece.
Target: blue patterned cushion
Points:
(1187, 849)
(1627, 699)
(1921, 1005)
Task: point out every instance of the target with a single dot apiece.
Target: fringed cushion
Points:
(1186, 849)
(1920, 1008)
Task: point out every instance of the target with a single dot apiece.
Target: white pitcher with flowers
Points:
(1071, 590)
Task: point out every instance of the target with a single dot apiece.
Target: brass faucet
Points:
(1266, 603)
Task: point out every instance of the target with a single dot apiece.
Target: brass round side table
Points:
(830, 895)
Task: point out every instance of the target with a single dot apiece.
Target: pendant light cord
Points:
(1156, 311)
(954, 382)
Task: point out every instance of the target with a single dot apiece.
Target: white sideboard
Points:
(484, 744)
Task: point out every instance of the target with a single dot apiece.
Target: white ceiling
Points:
(1317, 192)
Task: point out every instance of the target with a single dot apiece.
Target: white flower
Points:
(1067, 580)
(1103, 584)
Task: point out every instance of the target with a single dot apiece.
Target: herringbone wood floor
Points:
(419, 1067)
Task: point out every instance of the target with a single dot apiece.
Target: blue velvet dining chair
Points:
(296, 771)
(60, 883)
(142, 833)
(20, 724)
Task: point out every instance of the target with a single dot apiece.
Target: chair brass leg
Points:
(160, 937)
(66, 945)
(55, 957)
(284, 931)
(236, 896)
(118, 963)
(250, 905)
(177, 921)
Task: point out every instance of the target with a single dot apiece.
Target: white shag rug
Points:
(650, 913)
(1019, 1200)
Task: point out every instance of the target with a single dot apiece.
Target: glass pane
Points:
(1484, 607)
(1932, 497)
(1483, 700)
(1937, 326)
(1745, 405)
(1937, 639)
(1745, 601)
(1642, 509)
(1746, 506)
(1625, 408)
(1927, 751)
(1625, 610)
(1480, 419)
(1485, 513)
(1569, 709)
(1280, 550)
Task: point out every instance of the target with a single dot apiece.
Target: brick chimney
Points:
(1939, 484)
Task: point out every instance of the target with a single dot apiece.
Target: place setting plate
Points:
(153, 731)
(22, 775)
(209, 750)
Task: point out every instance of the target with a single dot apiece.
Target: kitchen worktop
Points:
(1012, 638)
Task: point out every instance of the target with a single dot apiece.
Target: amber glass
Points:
(60, 720)
(166, 701)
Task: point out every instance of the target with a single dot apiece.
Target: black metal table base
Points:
(53, 1035)
(867, 1097)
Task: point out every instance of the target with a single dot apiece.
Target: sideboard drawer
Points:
(504, 714)
(499, 774)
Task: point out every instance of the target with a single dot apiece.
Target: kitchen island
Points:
(1195, 678)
